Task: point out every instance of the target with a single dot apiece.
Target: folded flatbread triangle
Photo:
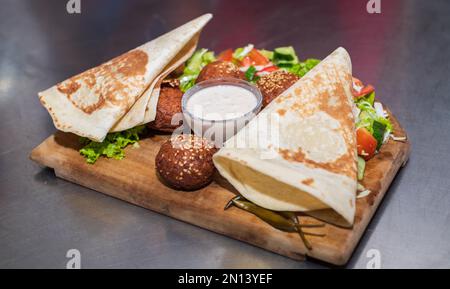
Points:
(144, 109)
(91, 103)
(299, 153)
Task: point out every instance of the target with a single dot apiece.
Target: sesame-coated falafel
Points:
(169, 104)
(273, 84)
(185, 162)
(219, 69)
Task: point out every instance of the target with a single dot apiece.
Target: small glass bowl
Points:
(219, 131)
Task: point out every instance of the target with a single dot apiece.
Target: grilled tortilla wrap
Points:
(306, 161)
(91, 103)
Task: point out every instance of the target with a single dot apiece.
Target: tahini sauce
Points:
(221, 102)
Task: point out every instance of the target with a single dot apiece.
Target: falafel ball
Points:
(273, 84)
(184, 162)
(219, 69)
(169, 104)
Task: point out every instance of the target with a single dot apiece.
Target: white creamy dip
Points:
(217, 109)
(221, 102)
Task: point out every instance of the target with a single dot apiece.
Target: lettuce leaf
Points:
(301, 68)
(112, 146)
(193, 66)
(370, 98)
(379, 126)
(368, 115)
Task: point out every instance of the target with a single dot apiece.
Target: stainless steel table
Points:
(404, 52)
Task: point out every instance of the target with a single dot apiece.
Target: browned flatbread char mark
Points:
(343, 165)
(121, 73)
(333, 103)
(308, 182)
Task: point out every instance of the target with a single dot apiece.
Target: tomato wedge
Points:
(357, 81)
(226, 55)
(246, 61)
(365, 90)
(257, 58)
(366, 144)
(270, 68)
(267, 70)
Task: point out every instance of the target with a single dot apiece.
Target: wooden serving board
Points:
(133, 179)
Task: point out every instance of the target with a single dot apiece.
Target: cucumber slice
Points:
(285, 54)
(378, 132)
(267, 53)
(285, 64)
(361, 168)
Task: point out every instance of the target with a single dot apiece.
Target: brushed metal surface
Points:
(404, 52)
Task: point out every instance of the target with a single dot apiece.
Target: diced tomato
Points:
(357, 81)
(270, 68)
(366, 144)
(365, 90)
(267, 70)
(226, 55)
(246, 61)
(257, 58)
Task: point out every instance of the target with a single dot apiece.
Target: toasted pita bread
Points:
(144, 110)
(91, 103)
(310, 166)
